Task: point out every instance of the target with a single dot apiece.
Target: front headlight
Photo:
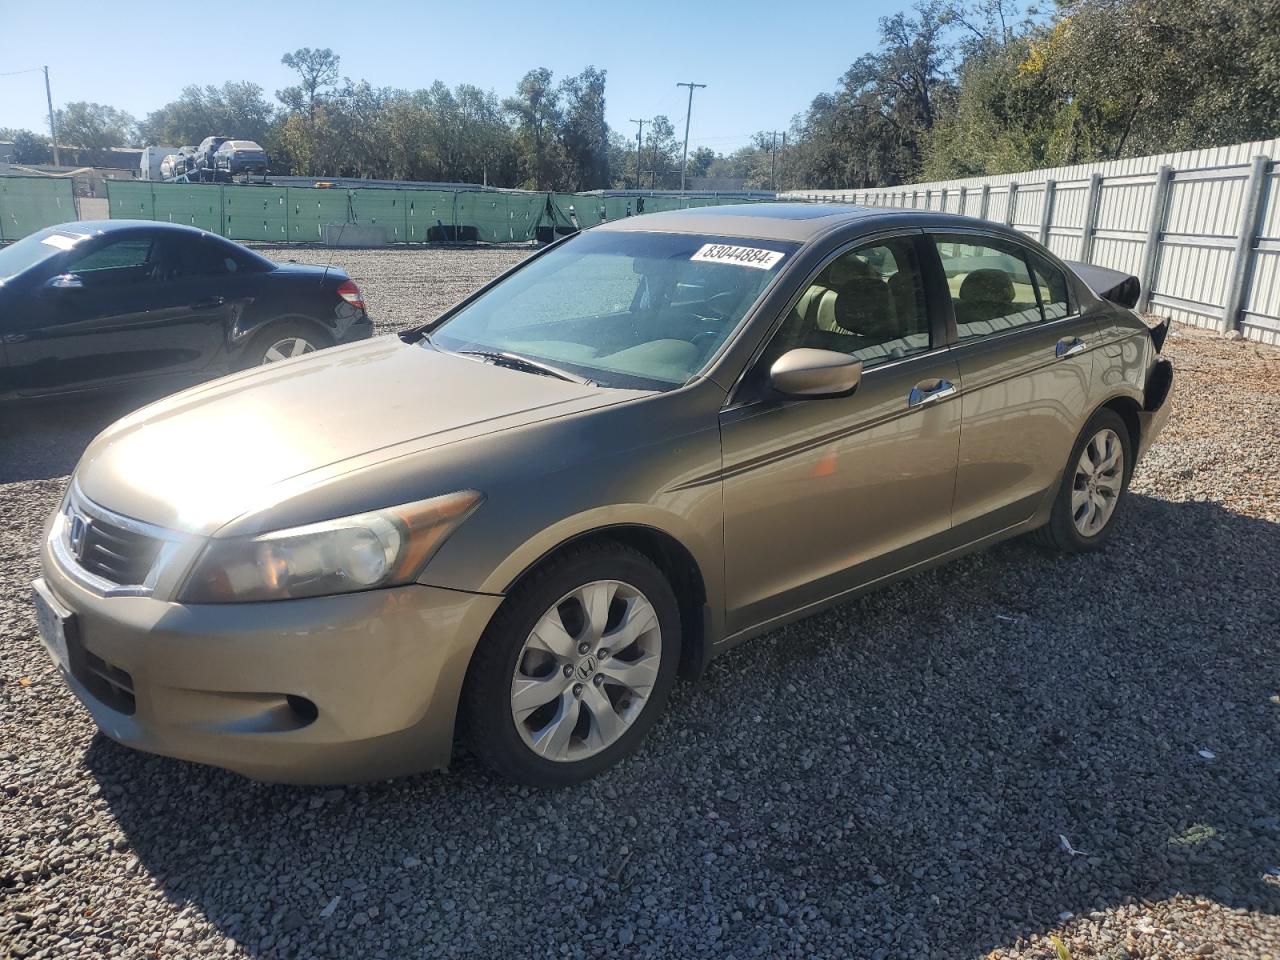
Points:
(377, 549)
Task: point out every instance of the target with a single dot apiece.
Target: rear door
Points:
(1025, 357)
(823, 495)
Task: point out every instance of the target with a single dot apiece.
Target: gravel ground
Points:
(1013, 747)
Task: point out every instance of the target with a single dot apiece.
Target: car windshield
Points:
(37, 248)
(624, 309)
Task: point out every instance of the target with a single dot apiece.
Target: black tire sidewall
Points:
(489, 726)
(1063, 526)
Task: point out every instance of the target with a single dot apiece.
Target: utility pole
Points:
(773, 164)
(639, 131)
(53, 127)
(687, 115)
(781, 154)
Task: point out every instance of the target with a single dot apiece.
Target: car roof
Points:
(93, 228)
(800, 222)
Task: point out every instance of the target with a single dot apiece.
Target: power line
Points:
(684, 163)
(14, 73)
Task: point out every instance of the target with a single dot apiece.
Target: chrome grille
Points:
(110, 551)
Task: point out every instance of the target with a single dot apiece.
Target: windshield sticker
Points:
(754, 257)
(61, 241)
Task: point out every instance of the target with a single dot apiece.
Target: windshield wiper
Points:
(513, 361)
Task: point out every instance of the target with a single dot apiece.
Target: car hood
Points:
(201, 458)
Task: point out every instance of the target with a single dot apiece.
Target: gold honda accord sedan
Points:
(643, 445)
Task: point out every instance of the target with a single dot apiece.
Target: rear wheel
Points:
(282, 341)
(1095, 482)
(575, 668)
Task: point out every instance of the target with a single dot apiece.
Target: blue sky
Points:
(762, 62)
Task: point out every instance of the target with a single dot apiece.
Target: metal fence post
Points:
(1242, 258)
(986, 201)
(1090, 218)
(1046, 210)
(964, 199)
(1009, 214)
(1155, 224)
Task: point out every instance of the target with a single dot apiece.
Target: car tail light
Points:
(351, 293)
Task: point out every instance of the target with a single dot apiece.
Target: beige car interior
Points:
(874, 313)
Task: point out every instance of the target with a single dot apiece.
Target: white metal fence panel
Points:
(1200, 229)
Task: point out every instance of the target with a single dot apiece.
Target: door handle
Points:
(930, 391)
(1068, 347)
(209, 302)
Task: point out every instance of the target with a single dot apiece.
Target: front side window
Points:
(122, 261)
(868, 303)
(625, 309)
(991, 287)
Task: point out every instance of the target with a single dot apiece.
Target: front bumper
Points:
(325, 690)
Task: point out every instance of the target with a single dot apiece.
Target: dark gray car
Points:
(646, 444)
(236, 157)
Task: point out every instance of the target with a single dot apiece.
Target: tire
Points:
(1076, 527)
(273, 335)
(575, 733)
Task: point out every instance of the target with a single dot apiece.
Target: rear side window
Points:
(991, 286)
(195, 257)
(1053, 289)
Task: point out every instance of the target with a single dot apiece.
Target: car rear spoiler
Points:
(1119, 288)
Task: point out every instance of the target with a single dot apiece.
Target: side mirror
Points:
(64, 282)
(805, 372)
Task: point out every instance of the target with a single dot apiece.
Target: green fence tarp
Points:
(261, 213)
(426, 210)
(310, 210)
(28, 204)
(300, 214)
(130, 200)
(500, 217)
(192, 204)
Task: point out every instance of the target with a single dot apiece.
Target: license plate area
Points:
(55, 622)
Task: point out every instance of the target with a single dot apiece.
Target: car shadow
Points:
(901, 769)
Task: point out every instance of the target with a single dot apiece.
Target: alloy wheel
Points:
(585, 673)
(286, 348)
(1099, 479)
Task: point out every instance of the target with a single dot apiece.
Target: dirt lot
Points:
(1014, 746)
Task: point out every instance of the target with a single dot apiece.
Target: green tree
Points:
(873, 129)
(584, 134)
(94, 127)
(535, 113)
(316, 69)
(28, 147)
(236, 109)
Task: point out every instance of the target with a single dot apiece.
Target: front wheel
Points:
(575, 667)
(1093, 486)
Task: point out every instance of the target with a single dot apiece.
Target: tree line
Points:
(952, 89)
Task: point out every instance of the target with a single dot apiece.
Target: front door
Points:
(116, 316)
(821, 496)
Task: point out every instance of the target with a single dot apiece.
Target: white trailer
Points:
(152, 157)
